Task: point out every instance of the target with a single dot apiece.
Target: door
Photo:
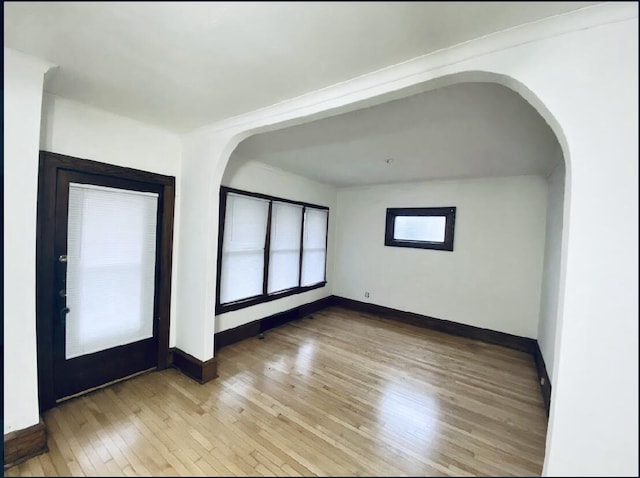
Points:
(107, 275)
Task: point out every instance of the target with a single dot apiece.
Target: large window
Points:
(421, 227)
(268, 248)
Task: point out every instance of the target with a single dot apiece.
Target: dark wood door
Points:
(102, 264)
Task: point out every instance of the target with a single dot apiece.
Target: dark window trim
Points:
(304, 211)
(264, 297)
(225, 189)
(266, 252)
(448, 212)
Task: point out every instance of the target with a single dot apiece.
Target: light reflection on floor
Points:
(407, 411)
(305, 359)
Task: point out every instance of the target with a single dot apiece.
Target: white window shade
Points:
(110, 282)
(243, 248)
(314, 250)
(284, 253)
(420, 228)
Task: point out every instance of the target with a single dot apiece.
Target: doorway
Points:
(104, 242)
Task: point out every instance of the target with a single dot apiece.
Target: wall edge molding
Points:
(543, 378)
(403, 74)
(201, 372)
(523, 344)
(516, 342)
(20, 445)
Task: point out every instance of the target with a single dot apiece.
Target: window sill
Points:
(251, 301)
(438, 246)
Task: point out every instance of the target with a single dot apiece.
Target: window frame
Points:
(449, 228)
(264, 296)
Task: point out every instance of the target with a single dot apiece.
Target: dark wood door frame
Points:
(49, 167)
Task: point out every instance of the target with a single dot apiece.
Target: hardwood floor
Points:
(343, 393)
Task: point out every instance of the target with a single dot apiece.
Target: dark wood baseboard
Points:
(543, 378)
(516, 342)
(315, 306)
(200, 371)
(231, 336)
(24, 444)
(253, 329)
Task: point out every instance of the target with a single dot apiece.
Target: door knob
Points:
(63, 314)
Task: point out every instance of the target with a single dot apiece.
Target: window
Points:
(315, 246)
(284, 252)
(243, 247)
(420, 227)
(268, 248)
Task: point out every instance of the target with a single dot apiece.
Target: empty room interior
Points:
(320, 239)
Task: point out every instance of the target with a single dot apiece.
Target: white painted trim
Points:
(37, 64)
(297, 177)
(411, 72)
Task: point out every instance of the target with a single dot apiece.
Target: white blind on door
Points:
(314, 249)
(245, 230)
(284, 254)
(111, 251)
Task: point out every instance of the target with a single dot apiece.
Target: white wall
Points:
(580, 71)
(551, 271)
(78, 130)
(23, 79)
(593, 428)
(260, 178)
(490, 280)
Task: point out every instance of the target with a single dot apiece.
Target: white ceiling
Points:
(466, 130)
(181, 65)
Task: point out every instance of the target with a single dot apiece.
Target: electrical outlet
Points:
(366, 294)
(541, 380)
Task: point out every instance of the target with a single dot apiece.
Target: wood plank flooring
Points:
(344, 394)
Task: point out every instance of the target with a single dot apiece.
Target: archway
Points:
(439, 82)
(453, 79)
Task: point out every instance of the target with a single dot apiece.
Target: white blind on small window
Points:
(420, 228)
(314, 250)
(284, 254)
(111, 257)
(245, 228)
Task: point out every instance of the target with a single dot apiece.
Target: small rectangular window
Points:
(420, 227)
